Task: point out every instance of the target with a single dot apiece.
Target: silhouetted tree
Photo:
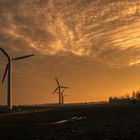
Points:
(138, 95)
(133, 95)
(134, 98)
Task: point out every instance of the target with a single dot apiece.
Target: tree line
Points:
(134, 97)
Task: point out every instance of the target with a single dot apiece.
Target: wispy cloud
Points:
(104, 31)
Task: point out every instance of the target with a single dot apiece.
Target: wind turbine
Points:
(58, 88)
(8, 70)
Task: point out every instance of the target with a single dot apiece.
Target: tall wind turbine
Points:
(58, 89)
(8, 71)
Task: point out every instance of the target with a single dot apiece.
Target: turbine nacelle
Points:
(59, 87)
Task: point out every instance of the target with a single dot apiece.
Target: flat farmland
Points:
(72, 122)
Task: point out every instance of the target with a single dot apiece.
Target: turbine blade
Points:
(4, 52)
(22, 57)
(63, 91)
(64, 87)
(6, 69)
(55, 90)
(57, 81)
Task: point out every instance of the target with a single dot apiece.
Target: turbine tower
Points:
(8, 71)
(62, 96)
(58, 89)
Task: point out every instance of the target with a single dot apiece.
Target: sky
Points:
(91, 46)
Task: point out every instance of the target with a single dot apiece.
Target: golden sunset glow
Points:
(92, 46)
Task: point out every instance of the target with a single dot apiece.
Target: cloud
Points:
(91, 45)
(92, 29)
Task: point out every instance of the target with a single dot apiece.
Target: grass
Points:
(99, 122)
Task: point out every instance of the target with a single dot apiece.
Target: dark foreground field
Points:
(85, 122)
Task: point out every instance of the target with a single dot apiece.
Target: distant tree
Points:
(138, 95)
(110, 98)
(127, 96)
(133, 95)
(133, 98)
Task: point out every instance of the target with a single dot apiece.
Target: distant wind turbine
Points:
(58, 89)
(8, 71)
